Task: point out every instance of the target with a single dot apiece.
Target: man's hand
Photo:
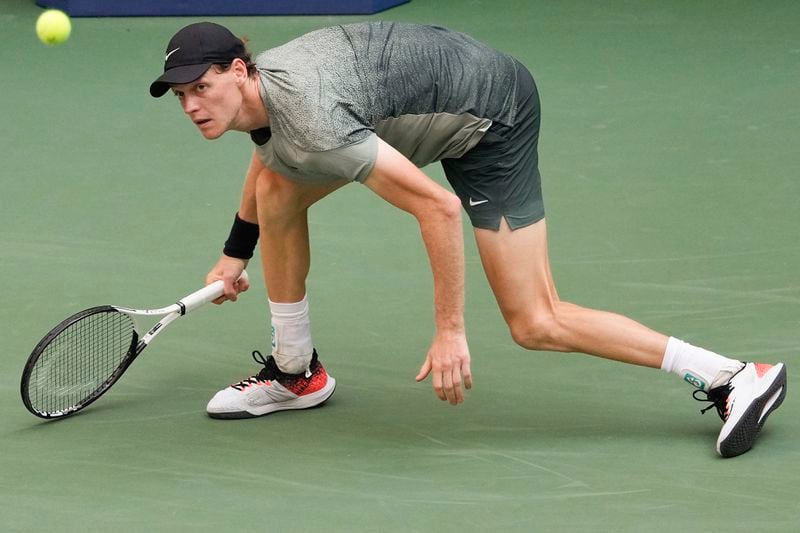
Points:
(448, 362)
(228, 269)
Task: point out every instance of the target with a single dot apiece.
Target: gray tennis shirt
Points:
(429, 92)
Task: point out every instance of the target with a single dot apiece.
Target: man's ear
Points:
(239, 68)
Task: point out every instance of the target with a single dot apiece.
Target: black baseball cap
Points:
(193, 50)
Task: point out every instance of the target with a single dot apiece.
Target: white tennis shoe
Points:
(744, 403)
(272, 390)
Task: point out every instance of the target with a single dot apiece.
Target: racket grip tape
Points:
(207, 294)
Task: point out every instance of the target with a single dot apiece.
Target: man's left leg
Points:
(517, 267)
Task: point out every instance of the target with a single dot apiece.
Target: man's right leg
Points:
(292, 377)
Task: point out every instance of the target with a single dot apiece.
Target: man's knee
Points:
(538, 331)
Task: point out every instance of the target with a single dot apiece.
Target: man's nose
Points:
(189, 104)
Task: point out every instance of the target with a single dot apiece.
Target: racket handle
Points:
(206, 294)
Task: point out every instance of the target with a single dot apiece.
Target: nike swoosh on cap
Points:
(169, 54)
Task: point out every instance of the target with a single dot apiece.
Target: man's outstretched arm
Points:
(438, 212)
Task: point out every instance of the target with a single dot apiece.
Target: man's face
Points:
(212, 102)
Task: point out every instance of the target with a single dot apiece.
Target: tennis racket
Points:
(83, 356)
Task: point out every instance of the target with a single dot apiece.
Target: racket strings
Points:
(80, 360)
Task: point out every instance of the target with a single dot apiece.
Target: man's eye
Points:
(202, 87)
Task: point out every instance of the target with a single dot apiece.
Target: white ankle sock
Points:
(292, 347)
(698, 367)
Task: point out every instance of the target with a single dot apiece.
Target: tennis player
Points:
(371, 103)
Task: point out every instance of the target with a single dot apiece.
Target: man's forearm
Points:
(248, 209)
(441, 232)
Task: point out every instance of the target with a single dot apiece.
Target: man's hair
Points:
(252, 70)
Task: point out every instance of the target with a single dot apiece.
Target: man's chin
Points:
(212, 133)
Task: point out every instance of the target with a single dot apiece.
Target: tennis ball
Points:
(53, 27)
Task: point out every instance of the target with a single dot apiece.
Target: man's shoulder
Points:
(311, 113)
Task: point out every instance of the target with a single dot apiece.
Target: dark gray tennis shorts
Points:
(499, 178)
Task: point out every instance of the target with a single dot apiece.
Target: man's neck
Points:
(253, 113)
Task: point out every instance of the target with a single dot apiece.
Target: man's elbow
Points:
(451, 206)
(446, 208)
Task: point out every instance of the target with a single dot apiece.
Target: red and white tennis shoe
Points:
(744, 403)
(272, 390)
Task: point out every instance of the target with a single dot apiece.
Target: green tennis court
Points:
(669, 155)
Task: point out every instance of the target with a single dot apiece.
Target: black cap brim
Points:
(177, 76)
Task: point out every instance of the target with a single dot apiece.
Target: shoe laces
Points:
(268, 373)
(271, 372)
(717, 397)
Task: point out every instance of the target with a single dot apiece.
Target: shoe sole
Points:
(308, 401)
(742, 437)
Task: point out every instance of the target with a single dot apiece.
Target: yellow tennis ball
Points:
(53, 27)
